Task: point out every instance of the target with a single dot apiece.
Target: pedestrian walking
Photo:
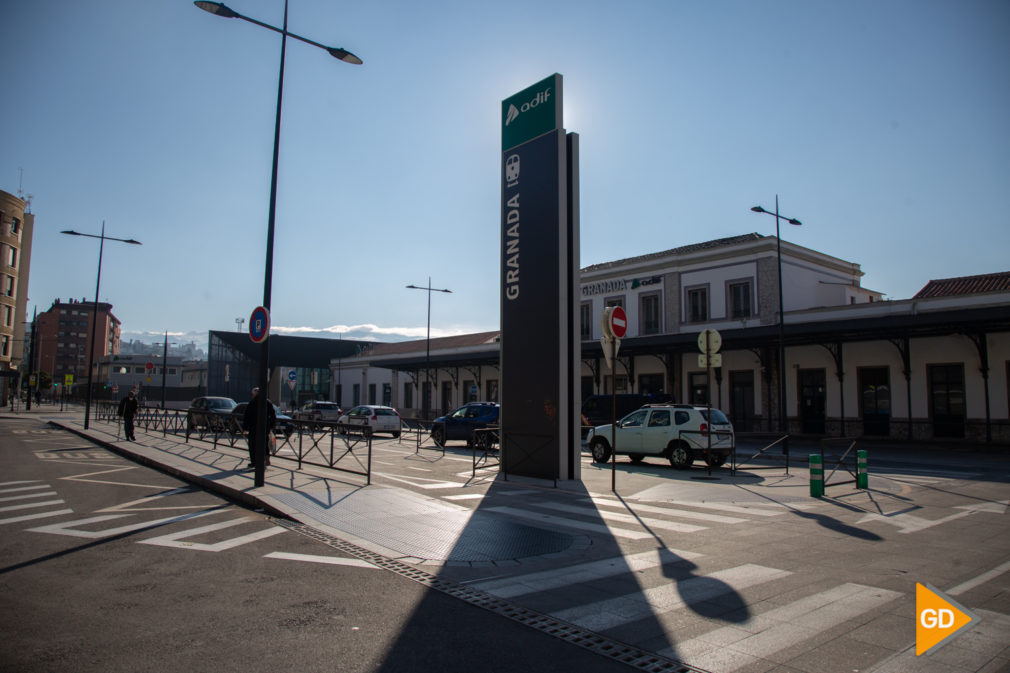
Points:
(128, 409)
(249, 421)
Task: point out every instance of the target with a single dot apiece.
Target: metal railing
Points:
(840, 463)
(332, 443)
(781, 441)
(486, 446)
(421, 429)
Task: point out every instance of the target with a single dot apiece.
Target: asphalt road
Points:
(109, 566)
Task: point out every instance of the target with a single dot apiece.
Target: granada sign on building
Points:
(539, 268)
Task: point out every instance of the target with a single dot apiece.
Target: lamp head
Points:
(344, 55)
(794, 221)
(216, 8)
(759, 209)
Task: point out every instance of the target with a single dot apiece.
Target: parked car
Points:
(461, 423)
(208, 412)
(284, 425)
(318, 410)
(677, 432)
(379, 418)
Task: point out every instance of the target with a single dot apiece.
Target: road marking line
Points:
(177, 539)
(465, 496)
(331, 560)
(47, 494)
(981, 579)
(43, 515)
(23, 481)
(731, 647)
(510, 587)
(419, 482)
(624, 518)
(910, 523)
(31, 505)
(570, 523)
(65, 528)
(612, 612)
(24, 488)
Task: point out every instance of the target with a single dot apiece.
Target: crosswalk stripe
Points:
(683, 514)
(624, 518)
(732, 647)
(570, 523)
(754, 511)
(510, 587)
(66, 528)
(613, 612)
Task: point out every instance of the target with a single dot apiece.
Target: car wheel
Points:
(680, 456)
(636, 458)
(396, 435)
(438, 436)
(715, 459)
(600, 450)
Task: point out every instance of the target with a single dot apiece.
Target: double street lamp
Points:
(782, 330)
(218, 9)
(94, 314)
(425, 399)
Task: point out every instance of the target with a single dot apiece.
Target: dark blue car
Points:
(461, 423)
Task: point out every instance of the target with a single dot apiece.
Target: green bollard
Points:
(816, 476)
(862, 477)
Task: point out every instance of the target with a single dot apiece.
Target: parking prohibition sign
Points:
(259, 324)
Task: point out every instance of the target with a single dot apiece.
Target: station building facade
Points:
(936, 365)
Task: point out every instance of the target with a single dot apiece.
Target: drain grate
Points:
(608, 647)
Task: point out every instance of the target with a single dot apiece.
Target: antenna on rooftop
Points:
(238, 324)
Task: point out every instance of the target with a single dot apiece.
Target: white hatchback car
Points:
(678, 432)
(379, 418)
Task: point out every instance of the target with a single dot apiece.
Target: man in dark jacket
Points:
(249, 422)
(128, 409)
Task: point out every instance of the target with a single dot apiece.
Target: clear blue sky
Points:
(883, 126)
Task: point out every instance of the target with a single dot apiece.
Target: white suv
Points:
(678, 432)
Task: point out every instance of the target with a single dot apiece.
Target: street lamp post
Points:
(164, 369)
(221, 10)
(782, 308)
(427, 345)
(102, 238)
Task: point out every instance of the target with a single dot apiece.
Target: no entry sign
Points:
(618, 322)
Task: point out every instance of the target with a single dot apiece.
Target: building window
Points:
(387, 394)
(8, 316)
(699, 388)
(586, 321)
(697, 304)
(15, 225)
(648, 314)
(492, 390)
(408, 395)
(5, 345)
(740, 300)
(12, 256)
(8, 286)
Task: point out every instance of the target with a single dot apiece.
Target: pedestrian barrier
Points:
(344, 440)
(486, 443)
(421, 430)
(781, 442)
(856, 470)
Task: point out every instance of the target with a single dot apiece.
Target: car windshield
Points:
(220, 404)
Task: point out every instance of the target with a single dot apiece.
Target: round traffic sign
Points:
(292, 375)
(709, 341)
(149, 366)
(259, 324)
(618, 322)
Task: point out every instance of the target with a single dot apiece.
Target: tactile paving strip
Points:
(426, 528)
(608, 647)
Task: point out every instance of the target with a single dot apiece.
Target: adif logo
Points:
(513, 112)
